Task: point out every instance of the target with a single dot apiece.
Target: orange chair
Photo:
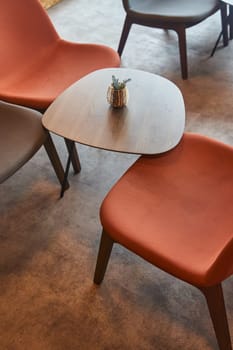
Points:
(175, 211)
(36, 65)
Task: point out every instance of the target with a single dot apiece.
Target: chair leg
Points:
(55, 160)
(74, 157)
(124, 35)
(224, 20)
(183, 51)
(105, 249)
(216, 44)
(217, 310)
(231, 21)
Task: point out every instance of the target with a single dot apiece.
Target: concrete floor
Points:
(48, 246)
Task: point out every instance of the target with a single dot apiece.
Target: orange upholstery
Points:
(36, 65)
(181, 204)
(175, 211)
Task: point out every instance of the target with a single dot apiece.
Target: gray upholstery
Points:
(21, 136)
(167, 14)
(187, 11)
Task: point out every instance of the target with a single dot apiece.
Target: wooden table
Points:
(151, 123)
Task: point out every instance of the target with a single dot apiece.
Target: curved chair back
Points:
(26, 33)
(21, 136)
(36, 65)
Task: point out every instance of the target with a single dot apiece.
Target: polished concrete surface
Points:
(48, 246)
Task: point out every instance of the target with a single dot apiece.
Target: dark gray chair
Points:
(167, 14)
(21, 136)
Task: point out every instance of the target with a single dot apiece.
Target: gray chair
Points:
(21, 136)
(167, 14)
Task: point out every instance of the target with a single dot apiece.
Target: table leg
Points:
(55, 160)
(64, 184)
(74, 157)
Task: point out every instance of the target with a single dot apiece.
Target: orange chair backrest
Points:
(26, 32)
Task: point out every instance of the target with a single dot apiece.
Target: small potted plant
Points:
(117, 94)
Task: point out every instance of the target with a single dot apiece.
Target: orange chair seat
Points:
(182, 208)
(43, 77)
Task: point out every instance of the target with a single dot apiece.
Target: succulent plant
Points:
(118, 85)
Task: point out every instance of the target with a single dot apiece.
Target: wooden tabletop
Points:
(152, 122)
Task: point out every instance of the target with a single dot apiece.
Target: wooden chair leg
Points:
(74, 157)
(231, 21)
(105, 249)
(55, 160)
(124, 35)
(181, 32)
(217, 310)
(224, 20)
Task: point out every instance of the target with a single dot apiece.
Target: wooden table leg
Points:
(74, 156)
(55, 160)
(70, 150)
